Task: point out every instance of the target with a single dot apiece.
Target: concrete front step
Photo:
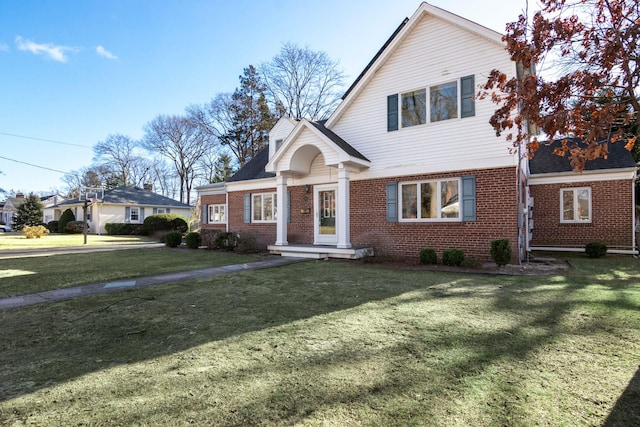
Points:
(319, 251)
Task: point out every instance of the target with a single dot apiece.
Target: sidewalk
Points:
(56, 295)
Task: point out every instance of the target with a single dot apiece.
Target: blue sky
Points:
(76, 71)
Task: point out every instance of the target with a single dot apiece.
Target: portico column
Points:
(344, 234)
(281, 223)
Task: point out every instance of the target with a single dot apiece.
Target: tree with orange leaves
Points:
(594, 91)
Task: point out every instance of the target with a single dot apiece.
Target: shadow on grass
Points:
(626, 412)
(50, 345)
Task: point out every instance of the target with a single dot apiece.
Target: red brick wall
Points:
(496, 217)
(611, 216)
(496, 205)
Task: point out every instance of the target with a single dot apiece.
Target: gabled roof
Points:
(545, 162)
(254, 168)
(125, 195)
(341, 143)
(396, 40)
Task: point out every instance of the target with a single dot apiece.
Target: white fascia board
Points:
(586, 176)
(250, 185)
(212, 189)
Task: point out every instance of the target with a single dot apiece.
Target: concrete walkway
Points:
(24, 253)
(56, 295)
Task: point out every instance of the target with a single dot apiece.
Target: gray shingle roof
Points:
(254, 168)
(125, 195)
(544, 161)
(344, 145)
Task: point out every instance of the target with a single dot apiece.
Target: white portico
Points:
(313, 153)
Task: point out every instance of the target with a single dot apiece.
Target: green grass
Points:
(27, 275)
(334, 343)
(16, 241)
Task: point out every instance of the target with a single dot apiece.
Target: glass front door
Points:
(325, 212)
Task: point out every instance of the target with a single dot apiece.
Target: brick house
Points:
(408, 160)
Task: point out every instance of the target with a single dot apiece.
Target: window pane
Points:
(583, 205)
(222, 217)
(414, 108)
(268, 207)
(449, 199)
(428, 198)
(444, 101)
(257, 208)
(567, 205)
(410, 201)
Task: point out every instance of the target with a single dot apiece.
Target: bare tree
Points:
(304, 83)
(118, 152)
(182, 141)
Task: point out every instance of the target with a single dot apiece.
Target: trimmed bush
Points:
(52, 226)
(428, 256)
(123, 229)
(165, 222)
(454, 257)
(225, 240)
(74, 227)
(501, 251)
(34, 231)
(66, 217)
(596, 249)
(173, 239)
(192, 240)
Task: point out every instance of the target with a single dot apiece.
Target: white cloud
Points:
(55, 52)
(4, 47)
(105, 53)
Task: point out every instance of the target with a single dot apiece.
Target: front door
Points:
(325, 214)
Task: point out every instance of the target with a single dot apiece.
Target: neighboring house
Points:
(10, 208)
(51, 210)
(408, 160)
(123, 205)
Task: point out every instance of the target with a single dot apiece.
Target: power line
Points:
(35, 166)
(45, 140)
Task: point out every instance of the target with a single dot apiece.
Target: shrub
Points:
(454, 257)
(34, 231)
(192, 240)
(123, 229)
(472, 263)
(501, 251)
(52, 226)
(428, 256)
(596, 249)
(74, 227)
(67, 216)
(225, 240)
(173, 239)
(165, 222)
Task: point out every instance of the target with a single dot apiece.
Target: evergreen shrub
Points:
(453, 257)
(165, 222)
(501, 251)
(52, 226)
(428, 256)
(596, 249)
(74, 227)
(123, 229)
(192, 240)
(67, 216)
(173, 239)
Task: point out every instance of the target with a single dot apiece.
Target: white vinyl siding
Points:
(433, 53)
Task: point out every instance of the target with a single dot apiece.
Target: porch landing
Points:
(319, 251)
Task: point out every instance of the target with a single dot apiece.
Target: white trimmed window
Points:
(575, 205)
(414, 108)
(217, 214)
(134, 215)
(263, 207)
(433, 200)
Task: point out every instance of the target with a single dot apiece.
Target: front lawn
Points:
(16, 241)
(334, 343)
(27, 275)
